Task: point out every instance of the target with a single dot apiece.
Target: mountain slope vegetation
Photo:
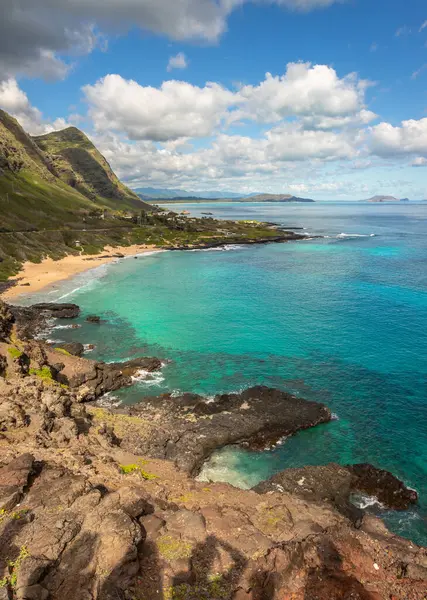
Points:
(35, 193)
(41, 214)
(79, 164)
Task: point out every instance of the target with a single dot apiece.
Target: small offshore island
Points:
(103, 503)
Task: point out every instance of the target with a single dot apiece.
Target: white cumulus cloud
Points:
(420, 161)
(176, 109)
(305, 90)
(177, 62)
(409, 138)
(15, 101)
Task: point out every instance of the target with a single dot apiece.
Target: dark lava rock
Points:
(389, 490)
(189, 428)
(91, 379)
(6, 285)
(131, 367)
(13, 479)
(74, 348)
(59, 311)
(93, 319)
(327, 483)
(32, 320)
(335, 484)
(6, 321)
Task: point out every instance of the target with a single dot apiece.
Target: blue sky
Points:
(342, 115)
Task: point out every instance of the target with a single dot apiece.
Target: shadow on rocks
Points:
(330, 582)
(9, 550)
(202, 582)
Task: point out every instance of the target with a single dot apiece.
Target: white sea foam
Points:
(355, 235)
(66, 326)
(226, 248)
(148, 378)
(224, 466)
(280, 442)
(143, 254)
(41, 335)
(72, 292)
(363, 501)
(334, 417)
(88, 348)
(108, 400)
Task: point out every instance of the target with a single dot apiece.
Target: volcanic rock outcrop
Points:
(87, 511)
(188, 428)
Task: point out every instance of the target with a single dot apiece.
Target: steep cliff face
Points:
(31, 194)
(80, 165)
(19, 152)
(54, 180)
(48, 202)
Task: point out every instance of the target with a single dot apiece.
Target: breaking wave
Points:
(355, 235)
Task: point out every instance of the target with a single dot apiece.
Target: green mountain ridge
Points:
(41, 214)
(79, 164)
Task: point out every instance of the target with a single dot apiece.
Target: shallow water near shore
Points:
(341, 320)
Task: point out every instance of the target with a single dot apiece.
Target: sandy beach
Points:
(49, 271)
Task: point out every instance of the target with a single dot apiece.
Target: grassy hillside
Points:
(32, 196)
(81, 166)
(40, 214)
(18, 152)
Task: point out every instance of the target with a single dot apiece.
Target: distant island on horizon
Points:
(166, 196)
(380, 198)
(162, 196)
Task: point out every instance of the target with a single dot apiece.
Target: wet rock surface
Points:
(93, 319)
(59, 311)
(91, 379)
(390, 491)
(336, 484)
(74, 348)
(32, 320)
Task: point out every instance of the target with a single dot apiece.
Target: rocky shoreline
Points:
(188, 428)
(101, 504)
(286, 236)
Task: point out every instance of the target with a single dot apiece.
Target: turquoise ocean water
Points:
(341, 320)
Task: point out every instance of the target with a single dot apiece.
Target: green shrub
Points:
(14, 565)
(63, 351)
(15, 353)
(44, 373)
(137, 468)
